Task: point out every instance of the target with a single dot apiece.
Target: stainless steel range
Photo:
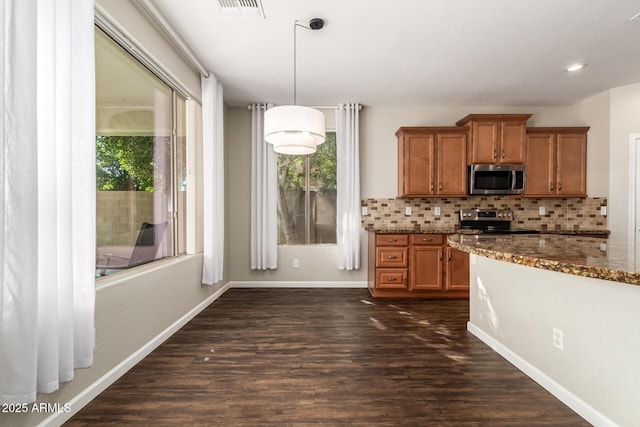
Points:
(496, 221)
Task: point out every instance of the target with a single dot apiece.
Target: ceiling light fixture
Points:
(294, 129)
(575, 67)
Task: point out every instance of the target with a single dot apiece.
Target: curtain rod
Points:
(168, 30)
(318, 107)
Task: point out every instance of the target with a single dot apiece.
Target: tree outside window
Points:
(307, 196)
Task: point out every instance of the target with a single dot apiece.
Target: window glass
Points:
(134, 161)
(307, 196)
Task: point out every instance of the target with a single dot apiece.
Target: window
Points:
(307, 196)
(140, 162)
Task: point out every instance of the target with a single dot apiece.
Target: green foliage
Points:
(322, 168)
(124, 163)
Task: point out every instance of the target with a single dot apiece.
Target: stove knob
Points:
(500, 215)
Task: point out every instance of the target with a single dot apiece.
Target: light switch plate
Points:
(436, 211)
(603, 210)
(365, 211)
(542, 210)
(407, 210)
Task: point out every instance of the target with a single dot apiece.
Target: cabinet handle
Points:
(440, 186)
(559, 186)
(504, 153)
(424, 239)
(440, 254)
(449, 256)
(551, 187)
(392, 279)
(392, 240)
(432, 186)
(495, 153)
(392, 257)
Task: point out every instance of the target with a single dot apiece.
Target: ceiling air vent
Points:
(241, 8)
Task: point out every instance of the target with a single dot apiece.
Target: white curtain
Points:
(47, 242)
(264, 195)
(348, 176)
(213, 173)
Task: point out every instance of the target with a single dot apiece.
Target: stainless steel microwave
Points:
(496, 179)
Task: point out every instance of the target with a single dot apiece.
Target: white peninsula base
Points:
(514, 309)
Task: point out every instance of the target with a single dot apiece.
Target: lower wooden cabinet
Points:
(416, 266)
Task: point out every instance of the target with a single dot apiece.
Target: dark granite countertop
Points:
(596, 257)
(456, 230)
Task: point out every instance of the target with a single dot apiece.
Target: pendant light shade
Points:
(294, 129)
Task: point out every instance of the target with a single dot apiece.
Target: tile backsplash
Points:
(560, 213)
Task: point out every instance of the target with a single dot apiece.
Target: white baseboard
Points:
(90, 393)
(581, 407)
(306, 284)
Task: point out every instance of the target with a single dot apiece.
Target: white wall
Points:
(625, 120)
(514, 309)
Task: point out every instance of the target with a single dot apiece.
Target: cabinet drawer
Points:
(391, 278)
(427, 239)
(392, 240)
(391, 257)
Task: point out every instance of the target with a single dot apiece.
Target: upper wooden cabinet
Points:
(556, 161)
(432, 161)
(496, 138)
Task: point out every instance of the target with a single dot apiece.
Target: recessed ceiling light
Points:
(575, 67)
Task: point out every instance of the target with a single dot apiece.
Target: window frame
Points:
(179, 213)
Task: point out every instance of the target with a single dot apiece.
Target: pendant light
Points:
(295, 129)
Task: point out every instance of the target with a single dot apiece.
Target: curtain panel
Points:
(348, 193)
(213, 174)
(47, 248)
(264, 195)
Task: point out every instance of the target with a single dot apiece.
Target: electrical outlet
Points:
(558, 338)
(296, 263)
(365, 211)
(436, 211)
(407, 210)
(541, 242)
(542, 210)
(603, 210)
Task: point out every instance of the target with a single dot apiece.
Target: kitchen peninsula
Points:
(566, 311)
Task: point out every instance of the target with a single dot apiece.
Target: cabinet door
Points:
(451, 154)
(426, 268)
(571, 164)
(417, 165)
(540, 173)
(457, 275)
(512, 142)
(484, 142)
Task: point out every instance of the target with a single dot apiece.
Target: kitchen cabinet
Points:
(416, 266)
(432, 161)
(496, 138)
(556, 162)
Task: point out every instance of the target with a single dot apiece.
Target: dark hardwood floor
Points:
(326, 356)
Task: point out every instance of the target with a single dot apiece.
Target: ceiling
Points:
(416, 52)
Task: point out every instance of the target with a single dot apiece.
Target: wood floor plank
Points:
(325, 356)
